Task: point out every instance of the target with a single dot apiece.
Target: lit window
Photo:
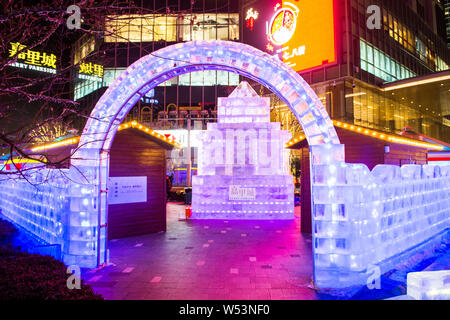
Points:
(171, 28)
(140, 28)
(381, 65)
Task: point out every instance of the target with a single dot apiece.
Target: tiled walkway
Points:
(210, 260)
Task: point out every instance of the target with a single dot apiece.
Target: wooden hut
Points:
(137, 186)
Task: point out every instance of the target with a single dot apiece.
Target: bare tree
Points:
(40, 106)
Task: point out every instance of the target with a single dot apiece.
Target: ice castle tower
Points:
(242, 163)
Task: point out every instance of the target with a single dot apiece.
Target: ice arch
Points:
(90, 163)
(174, 60)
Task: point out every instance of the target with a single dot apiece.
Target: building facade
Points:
(366, 60)
(380, 64)
(134, 33)
(376, 45)
(446, 4)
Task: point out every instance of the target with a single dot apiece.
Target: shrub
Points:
(7, 230)
(25, 276)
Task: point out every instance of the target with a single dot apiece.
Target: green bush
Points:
(25, 276)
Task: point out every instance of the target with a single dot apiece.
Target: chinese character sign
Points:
(31, 57)
(300, 33)
(91, 69)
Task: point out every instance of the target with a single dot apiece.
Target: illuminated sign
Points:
(283, 24)
(198, 108)
(90, 71)
(32, 60)
(306, 31)
(250, 18)
(301, 33)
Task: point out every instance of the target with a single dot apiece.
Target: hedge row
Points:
(32, 276)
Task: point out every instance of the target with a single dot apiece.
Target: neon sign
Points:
(282, 26)
(33, 60)
(302, 35)
(90, 71)
(250, 18)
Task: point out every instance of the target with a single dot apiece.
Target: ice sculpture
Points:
(364, 219)
(85, 222)
(429, 285)
(242, 163)
(360, 218)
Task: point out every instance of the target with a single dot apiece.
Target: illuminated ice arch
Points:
(91, 162)
(181, 58)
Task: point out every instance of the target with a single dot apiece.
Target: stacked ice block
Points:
(429, 285)
(52, 206)
(37, 200)
(363, 218)
(242, 163)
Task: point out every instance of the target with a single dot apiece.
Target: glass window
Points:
(83, 48)
(170, 82)
(370, 54)
(140, 28)
(209, 77)
(364, 65)
(381, 65)
(147, 28)
(85, 87)
(165, 28)
(363, 49)
(385, 20)
(110, 74)
(185, 26)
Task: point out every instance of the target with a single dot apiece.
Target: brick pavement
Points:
(216, 259)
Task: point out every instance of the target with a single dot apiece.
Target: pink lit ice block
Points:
(242, 163)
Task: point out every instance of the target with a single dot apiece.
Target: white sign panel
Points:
(127, 190)
(239, 193)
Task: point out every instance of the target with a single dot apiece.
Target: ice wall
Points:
(362, 219)
(429, 285)
(37, 201)
(242, 163)
(50, 204)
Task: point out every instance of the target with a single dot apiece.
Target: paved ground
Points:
(258, 260)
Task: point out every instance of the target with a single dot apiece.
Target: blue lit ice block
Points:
(242, 163)
(363, 218)
(429, 285)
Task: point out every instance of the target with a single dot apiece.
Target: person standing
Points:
(168, 187)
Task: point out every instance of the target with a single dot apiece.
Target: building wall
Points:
(400, 155)
(132, 34)
(409, 44)
(408, 36)
(447, 20)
